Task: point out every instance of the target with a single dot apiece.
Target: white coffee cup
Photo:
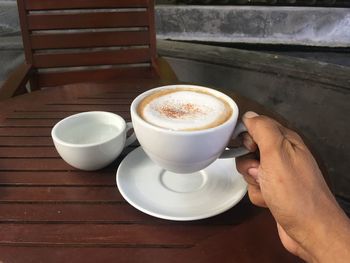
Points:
(187, 151)
(91, 140)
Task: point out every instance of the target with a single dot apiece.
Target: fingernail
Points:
(250, 114)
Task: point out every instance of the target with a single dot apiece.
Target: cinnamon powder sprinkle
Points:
(179, 112)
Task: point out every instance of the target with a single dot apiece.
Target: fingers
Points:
(244, 165)
(255, 196)
(249, 169)
(268, 134)
(264, 131)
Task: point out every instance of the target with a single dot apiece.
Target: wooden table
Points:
(51, 212)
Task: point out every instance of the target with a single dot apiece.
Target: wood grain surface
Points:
(51, 212)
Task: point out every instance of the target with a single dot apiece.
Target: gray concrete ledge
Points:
(336, 76)
(309, 26)
(11, 43)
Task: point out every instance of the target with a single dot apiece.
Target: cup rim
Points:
(232, 103)
(85, 145)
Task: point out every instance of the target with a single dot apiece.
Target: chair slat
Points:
(108, 57)
(78, 4)
(90, 39)
(71, 25)
(87, 20)
(50, 79)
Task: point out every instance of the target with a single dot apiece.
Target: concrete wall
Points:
(11, 54)
(309, 26)
(9, 24)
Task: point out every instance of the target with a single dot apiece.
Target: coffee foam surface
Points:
(186, 110)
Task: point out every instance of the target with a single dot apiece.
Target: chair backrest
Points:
(69, 41)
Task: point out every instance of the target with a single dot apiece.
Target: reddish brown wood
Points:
(110, 57)
(122, 109)
(65, 213)
(62, 78)
(25, 31)
(26, 131)
(16, 81)
(26, 152)
(87, 20)
(152, 30)
(119, 212)
(100, 234)
(90, 39)
(64, 109)
(74, 213)
(29, 123)
(52, 212)
(25, 164)
(114, 95)
(122, 85)
(41, 114)
(62, 114)
(101, 101)
(184, 237)
(25, 141)
(113, 19)
(57, 178)
(58, 254)
(72, 4)
(63, 194)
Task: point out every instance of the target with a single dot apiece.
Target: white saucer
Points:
(182, 197)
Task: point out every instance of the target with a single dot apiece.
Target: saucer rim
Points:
(200, 216)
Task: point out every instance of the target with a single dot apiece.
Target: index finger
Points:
(266, 132)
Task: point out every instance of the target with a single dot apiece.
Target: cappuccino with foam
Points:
(184, 109)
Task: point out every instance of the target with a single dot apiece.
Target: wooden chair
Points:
(70, 41)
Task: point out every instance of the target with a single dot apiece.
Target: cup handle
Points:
(132, 138)
(237, 151)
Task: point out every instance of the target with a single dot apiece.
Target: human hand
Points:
(288, 181)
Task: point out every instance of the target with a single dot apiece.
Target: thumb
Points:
(266, 132)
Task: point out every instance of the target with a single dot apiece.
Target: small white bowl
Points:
(91, 140)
